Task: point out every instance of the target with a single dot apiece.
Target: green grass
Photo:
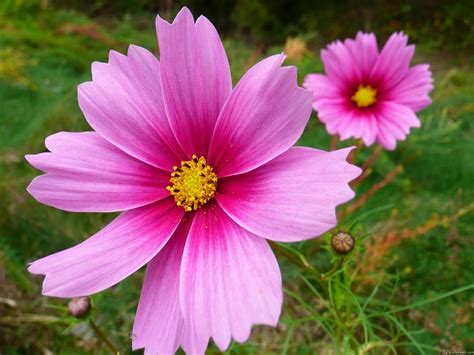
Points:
(45, 55)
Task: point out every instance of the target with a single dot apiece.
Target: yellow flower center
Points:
(365, 96)
(193, 184)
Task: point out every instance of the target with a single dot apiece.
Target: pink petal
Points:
(352, 126)
(370, 130)
(195, 77)
(124, 104)
(293, 197)
(385, 138)
(117, 251)
(159, 326)
(413, 89)
(339, 66)
(86, 173)
(321, 87)
(229, 280)
(394, 122)
(364, 53)
(264, 116)
(332, 112)
(392, 63)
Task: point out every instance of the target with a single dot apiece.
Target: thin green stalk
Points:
(288, 339)
(293, 259)
(335, 269)
(422, 303)
(339, 320)
(103, 337)
(407, 333)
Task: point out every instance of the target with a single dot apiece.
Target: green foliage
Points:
(415, 298)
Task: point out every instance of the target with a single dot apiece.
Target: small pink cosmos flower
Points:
(370, 95)
(203, 174)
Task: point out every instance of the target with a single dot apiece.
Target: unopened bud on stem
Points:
(79, 307)
(342, 242)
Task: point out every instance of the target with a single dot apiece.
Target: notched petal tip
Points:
(364, 34)
(38, 193)
(97, 68)
(51, 141)
(334, 44)
(204, 24)
(309, 96)
(133, 49)
(55, 291)
(83, 87)
(204, 21)
(138, 53)
(30, 158)
(36, 160)
(116, 57)
(277, 60)
(223, 345)
(353, 170)
(31, 268)
(399, 37)
(34, 267)
(308, 79)
(31, 187)
(138, 343)
(343, 152)
(389, 147)
(183, 15)
(292, 72)
(387, 144)
(417, 123)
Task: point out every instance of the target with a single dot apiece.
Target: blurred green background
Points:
(421, 225)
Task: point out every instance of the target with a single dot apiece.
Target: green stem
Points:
(295, 260)
(103, 337)
(331, 272)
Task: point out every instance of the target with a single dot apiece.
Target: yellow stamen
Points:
(193, 184)
(365, 96)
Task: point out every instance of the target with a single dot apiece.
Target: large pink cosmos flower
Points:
(370, 95)
(203, 172)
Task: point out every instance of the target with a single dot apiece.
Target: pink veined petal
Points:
(293, 197)
(124, 104)
(321, 87)
(86, 173)
(394, 122)
(339, 66)
(159, 325)
(196, 78)
(395, 130)
(106, 258)
(349, 125)
(264, 116)
(392, 63)
(400, 115)
(354, 126)
(230, 280)
(364, 53)
(413, 89)
(370, 129)
(385, 138)
(332, 112)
